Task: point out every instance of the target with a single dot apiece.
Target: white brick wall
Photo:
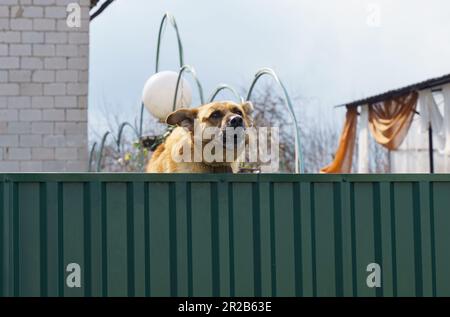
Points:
(43, 87)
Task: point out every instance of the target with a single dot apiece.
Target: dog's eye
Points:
(216, 115)
(238, 112)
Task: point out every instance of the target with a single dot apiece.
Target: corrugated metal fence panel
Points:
(224, 235)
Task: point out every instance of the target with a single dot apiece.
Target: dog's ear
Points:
(183, 118)
(248, 107)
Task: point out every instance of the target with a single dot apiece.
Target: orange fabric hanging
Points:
(389, 121)
(342, 162)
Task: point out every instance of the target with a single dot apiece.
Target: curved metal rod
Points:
(225, 87)
(91, 156)
(169, 17)
(102, 145)
(141, 120)
(299, 167)
(119, 134)
(191, 70)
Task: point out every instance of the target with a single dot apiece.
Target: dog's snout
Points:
(236, 121)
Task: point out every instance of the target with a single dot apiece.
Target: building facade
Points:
(44, 62)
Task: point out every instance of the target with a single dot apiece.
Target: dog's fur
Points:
(203, 117)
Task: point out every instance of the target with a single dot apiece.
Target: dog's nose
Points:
(236, 122)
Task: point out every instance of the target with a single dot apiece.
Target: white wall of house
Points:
(43, 87)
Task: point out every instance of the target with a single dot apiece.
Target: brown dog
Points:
(219, 115)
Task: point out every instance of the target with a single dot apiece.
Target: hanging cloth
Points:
(363, 140)
(430, 115)
(342, 162)
(389, 121)
(446, 119)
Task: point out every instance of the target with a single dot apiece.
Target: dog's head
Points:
(225, 116)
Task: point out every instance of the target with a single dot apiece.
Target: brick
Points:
(42, 127)
(53, 166)
(78, 63)
(20, 49)
(4, 11)
(55, 12)
(9, 89)
(4, 24)
(19, 76)
(19, 128)
(9, 166)
(9, 62)
(56, 37)
(30, 115)
(79, 38)
(9, 140)
(76, 166)
(82, 102)
(33, 12)
(3, 49)
(3, 76)
(83, 76)
(67, 50)
(19, 102)
(66, 102)
(43, 154)
(43, 50)
(68, 128)
(42, 102)
(21, 24)
(44, 2)
(53, 115)
(31, 166)
(54, 89)
(66, 76)
(44, 24)
(61, 25)
(8, 115)
(55, 63)
(66, 2)
(31, 63)
(66, 153)
(9, 37)
(31, 89)
(76, 115)
(44, 76)
(77, 89)
(19, 154)
(32, 37)
(76, 140)
(3, 127)
(83, 50)
(54, 140)
(30, 140)
(16, 12)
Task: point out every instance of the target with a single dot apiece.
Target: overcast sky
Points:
(327, 51)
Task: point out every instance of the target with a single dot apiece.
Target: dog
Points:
(191, 125)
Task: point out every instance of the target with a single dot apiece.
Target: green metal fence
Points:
(224, 235)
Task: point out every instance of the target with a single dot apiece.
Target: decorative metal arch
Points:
(191, 70)
(171, 19)
(299, 167)
(221, 87)
(102, 146)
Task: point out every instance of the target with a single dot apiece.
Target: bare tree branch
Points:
(102, 8)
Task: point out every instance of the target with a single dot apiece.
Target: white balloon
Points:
(159, 91)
